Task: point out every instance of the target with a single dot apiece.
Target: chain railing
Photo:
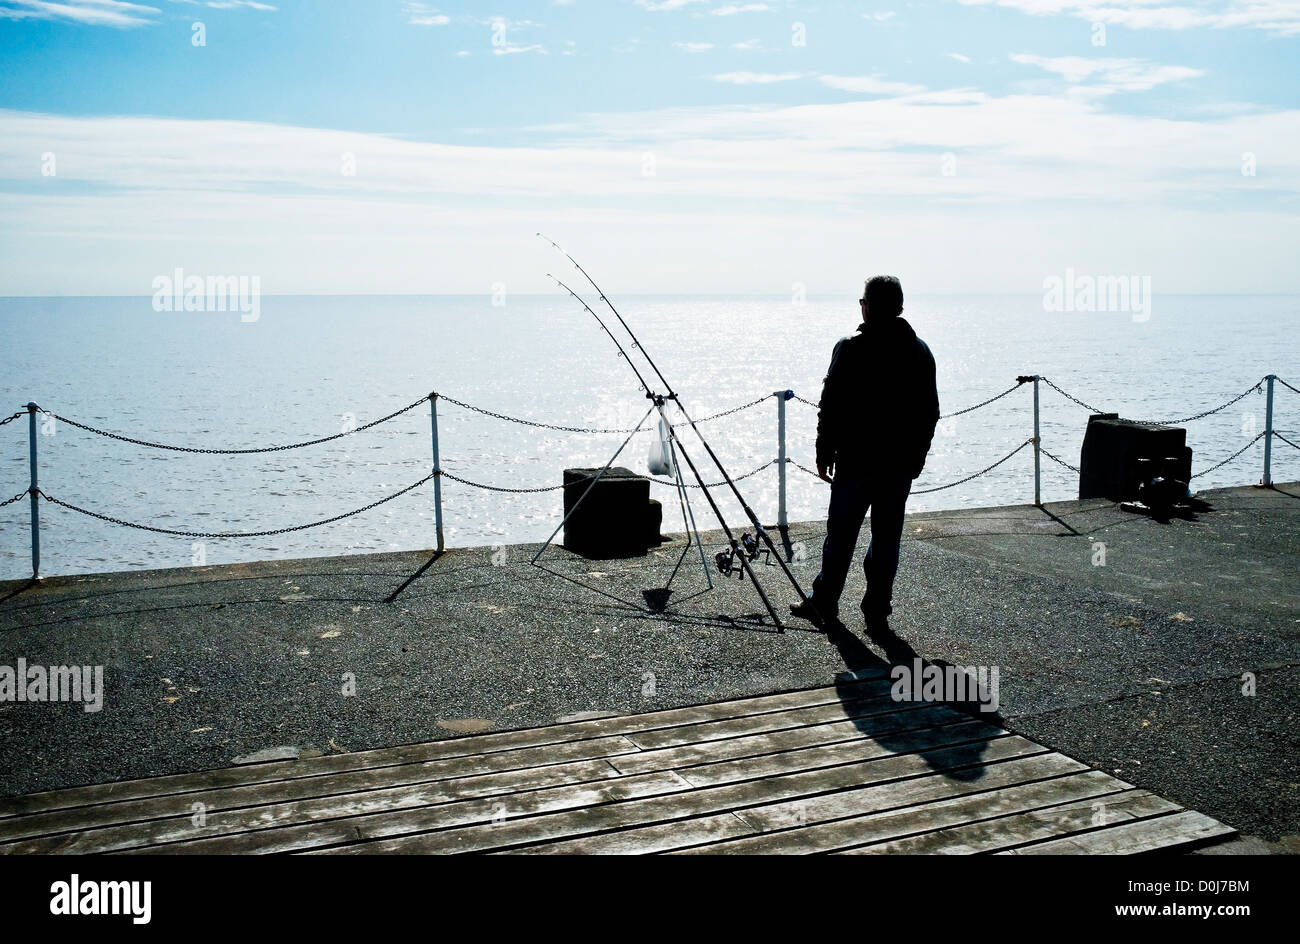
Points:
(234, 452)
(233, 534)
(594, 430)
(1254, 388)
(438, 473)
(1220, 465)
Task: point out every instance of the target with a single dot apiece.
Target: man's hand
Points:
(826, 472)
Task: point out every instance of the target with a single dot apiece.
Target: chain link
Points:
(522, 422)
(1275, 377)
(734, 409)
(734, 478)
(1188, 419)
(10, 501)
(1059, 461)
(1219, 465)
(984, 471)
(1287, 441)
(501, 488)
(1070, 396)
(233, 534)
(592, 430)
(971, 409)
(1178, 422)
(936, 488)
(233, 452)
(803, 468)
(10, 419)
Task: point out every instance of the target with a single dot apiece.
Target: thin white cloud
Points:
(504, 22)
(1104, 76)
(880, 16)
(959, 57)
(731, 9)
(868, 85)
(693, 47)
(511, 49)
(756, 78)
(240, 5)
(115, 13)
(658, 6)
(747, 44)
(1281, 17)
(422, 14)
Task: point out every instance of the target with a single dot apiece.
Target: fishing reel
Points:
(728, 562)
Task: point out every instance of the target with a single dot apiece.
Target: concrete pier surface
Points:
(1166, 654)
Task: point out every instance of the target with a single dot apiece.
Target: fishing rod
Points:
(671, 395)
(635, 342)
(621, 352)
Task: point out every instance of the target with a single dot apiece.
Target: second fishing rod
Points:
(759, 530)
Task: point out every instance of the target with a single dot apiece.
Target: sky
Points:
(674, 146)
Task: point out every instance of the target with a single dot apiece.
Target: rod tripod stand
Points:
(657, 598)
(737, 551)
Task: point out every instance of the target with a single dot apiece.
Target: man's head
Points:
(882, 299)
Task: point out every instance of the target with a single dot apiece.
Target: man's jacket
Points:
(879, 401)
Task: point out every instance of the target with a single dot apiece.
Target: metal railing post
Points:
(33, 492)
(1038, 467)
(782, 518)
(1267, 481)
(437, 471)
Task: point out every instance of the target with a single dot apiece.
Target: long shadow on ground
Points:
(960, 761)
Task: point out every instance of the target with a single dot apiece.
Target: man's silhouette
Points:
(877, 415)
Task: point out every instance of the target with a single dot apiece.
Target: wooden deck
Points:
(836, 769)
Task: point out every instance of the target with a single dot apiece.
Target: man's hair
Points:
(885, 296)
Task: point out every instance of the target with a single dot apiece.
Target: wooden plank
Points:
(689, 755)
(884, 807)
(485, 811)
(992, 835)
(583, 777)
(843, 826)
(899, 771)
(351, 782)
(416, 753)
(877, 702)
(1147, 835)
(512, 770)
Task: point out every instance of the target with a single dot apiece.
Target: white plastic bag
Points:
(661, 453)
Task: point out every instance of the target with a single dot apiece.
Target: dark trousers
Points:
(852, 492)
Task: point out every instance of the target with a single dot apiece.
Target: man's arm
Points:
(927, 412)
(829, 411)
